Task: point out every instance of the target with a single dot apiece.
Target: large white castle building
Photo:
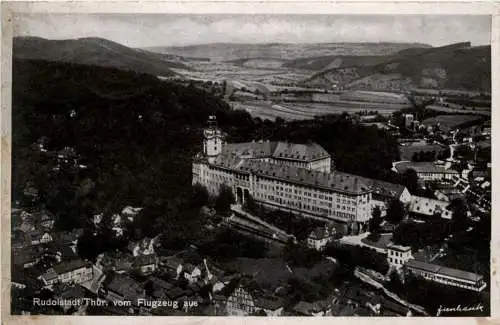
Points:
(286, 176)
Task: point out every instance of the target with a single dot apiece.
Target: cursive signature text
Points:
(459, 308)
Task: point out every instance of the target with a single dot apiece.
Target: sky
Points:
(147, 30)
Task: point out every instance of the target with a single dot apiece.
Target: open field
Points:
(282, 52)
(268, 77)
(301, 111)
(406, 152)
(449, 122)
(218, 71)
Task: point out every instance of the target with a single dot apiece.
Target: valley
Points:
(300, 81)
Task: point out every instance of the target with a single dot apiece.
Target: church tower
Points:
(212, 139)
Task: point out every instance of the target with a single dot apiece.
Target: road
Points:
(356, 241)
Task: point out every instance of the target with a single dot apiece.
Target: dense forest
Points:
(132, 139)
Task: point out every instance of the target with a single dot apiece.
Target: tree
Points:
(395, 284)
(376, 220)
(459, 215)
(224, 200)
(200, 195)
(359, 256)
(300, 255)
(251, 205)
(410, 180)
(421, 156)
(395, 212)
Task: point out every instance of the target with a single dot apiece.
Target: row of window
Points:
(216, 179)
(248, 309)
(438, 277)
(396, 261)
(395, 253)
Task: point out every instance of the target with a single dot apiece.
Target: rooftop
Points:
(142, 260)
(69, 266)
(268, 302)
(306, 308)
(321, 233)
(384, 188)
(72, 292)
(158, 282)
(25, 255)
(335, 181)
(49, 275)
(422, 167)
(399, 248)
(174, 293)
(278, 150)
(429, 207)
(458, 274)
(125, 286)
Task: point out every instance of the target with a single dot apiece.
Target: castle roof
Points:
(301, 152)
(276, 149)
(336, 181)
(382, 188)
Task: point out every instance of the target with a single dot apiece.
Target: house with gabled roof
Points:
(157, 288)
(320, 237)
(304, 308)
(121, 287)
(244, 298)
(146, 264)
(69, 292)
(26, 256)
(429, 207)
(270, 305)
(385, 192)
(37, 237)
(74, 271)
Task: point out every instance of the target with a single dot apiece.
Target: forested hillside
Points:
(134, 137)
(456, 66)
(94, 51)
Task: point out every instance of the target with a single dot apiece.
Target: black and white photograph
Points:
(325, 165)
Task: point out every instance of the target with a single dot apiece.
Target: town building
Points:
(426, 207)
(446, 275)
(26, 257)
(304, 308)
(146, 264)
(398, 255)
(271, 306)
(286, 176)
(191, 272)
(242, 303)
(408, 120)
(75, 271)
(427, 171)
(319, 238)
(123, 288)
(384, 192)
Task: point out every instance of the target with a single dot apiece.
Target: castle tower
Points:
(212, 139)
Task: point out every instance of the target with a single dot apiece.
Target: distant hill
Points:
(336, 61)
(456, 66)
(95, 51)
(283, 51)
